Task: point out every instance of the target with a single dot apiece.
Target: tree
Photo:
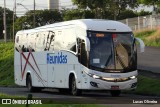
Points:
(127, 14)
(43, 17)
(96, 6)
(71, 14)
(100, 7)
(150, 3)
(143, 13)
(9, 20)
(118, 6)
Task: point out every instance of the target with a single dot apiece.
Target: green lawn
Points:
(148, 86)
(151, 37)
(6, 64)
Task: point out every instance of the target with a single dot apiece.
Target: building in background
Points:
(53, 4)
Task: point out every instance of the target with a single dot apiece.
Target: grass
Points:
(148, 86)
(9, 96)
(151, 37)
(6, 64)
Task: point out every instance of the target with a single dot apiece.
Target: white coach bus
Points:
(86, 54)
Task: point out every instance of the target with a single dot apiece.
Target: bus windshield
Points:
(112, 52)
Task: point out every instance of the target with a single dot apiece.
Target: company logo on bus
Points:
(56, 59)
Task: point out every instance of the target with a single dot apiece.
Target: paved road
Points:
(87, 97)
(150, 59)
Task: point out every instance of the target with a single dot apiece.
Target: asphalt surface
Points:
(150, 59)
(86, 98)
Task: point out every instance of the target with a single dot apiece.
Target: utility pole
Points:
(34, 17)
(4, 20)
(14, 14)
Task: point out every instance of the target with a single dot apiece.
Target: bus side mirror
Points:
(87, 46)
(141, 44)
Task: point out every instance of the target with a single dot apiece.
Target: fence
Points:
(143, 22)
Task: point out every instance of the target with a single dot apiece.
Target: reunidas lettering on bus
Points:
(56, 59)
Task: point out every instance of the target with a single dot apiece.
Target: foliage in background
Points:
(9, 20)
(105, 9)
(43, 17)
(143, 13)
(149, 2)
(6, 64)
(154, 3)
(71, 14)
(99, 7)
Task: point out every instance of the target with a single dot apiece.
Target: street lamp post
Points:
(34, 17)
(4, 20)
(14, 14)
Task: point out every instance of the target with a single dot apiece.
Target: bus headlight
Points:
(96, 77)
(132, 77)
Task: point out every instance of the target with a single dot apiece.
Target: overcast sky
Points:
(40, 4)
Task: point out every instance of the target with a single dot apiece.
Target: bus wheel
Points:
(73, 87)
(115, 93)
(29, 83)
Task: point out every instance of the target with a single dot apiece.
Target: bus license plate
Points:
(115, 87)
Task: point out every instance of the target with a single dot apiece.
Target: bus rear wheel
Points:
(29, 84)
(73, 88)
(115, 93)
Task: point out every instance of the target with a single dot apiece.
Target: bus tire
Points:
(29, 84)
(73, 88)
(115, 93)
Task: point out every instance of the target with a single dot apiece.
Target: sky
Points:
(43, 4)
(40, 4)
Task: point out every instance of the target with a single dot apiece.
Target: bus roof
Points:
(88, 24)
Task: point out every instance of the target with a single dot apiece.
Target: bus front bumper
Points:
(105, 85)
(99, 84)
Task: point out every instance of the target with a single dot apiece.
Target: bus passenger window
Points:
(17, 39)
(82, 53)
(50, 41)
(73, 48)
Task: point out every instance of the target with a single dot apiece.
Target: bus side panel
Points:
(60, 75)
(39, 69)
(85, 82)
(40, 77)
(18, 69)
(18, 76)
(51, 75)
